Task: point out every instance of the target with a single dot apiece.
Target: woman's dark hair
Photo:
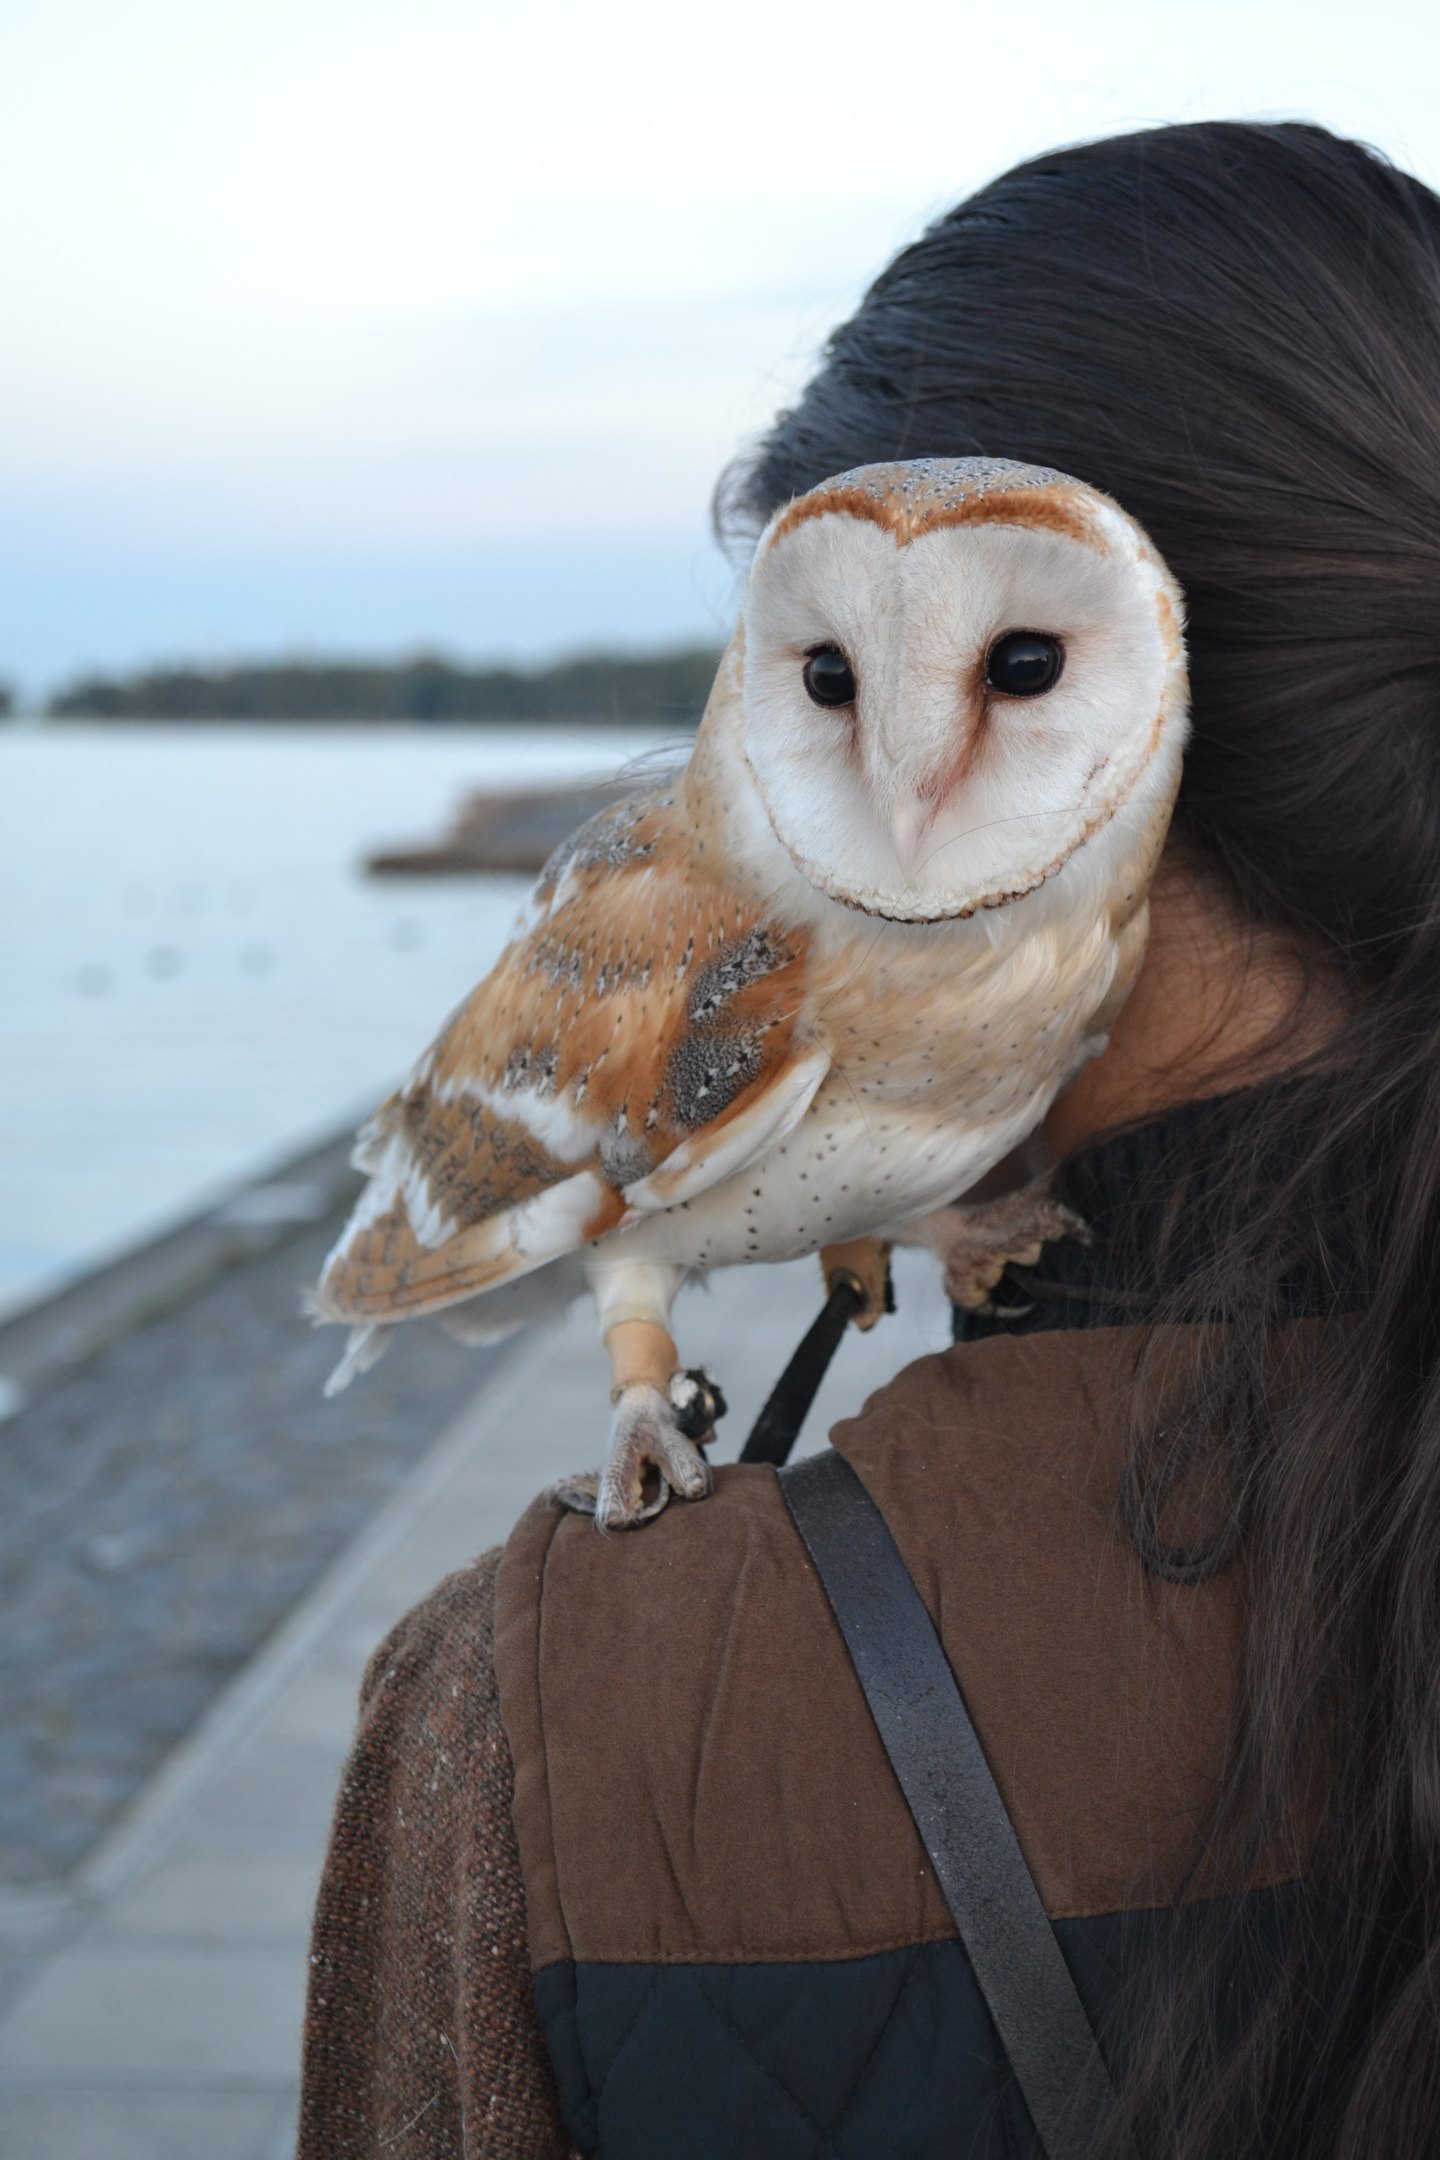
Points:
(1235, 330)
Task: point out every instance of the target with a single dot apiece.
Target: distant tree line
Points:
(665, 689)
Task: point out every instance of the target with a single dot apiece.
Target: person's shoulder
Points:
(1045, 1412)
(1035, 1386)
(660, 1687)
(1012, 1412)
(694, 1540)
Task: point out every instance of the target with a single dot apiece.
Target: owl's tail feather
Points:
(364, 1348)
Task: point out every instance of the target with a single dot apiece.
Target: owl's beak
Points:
(909, 831)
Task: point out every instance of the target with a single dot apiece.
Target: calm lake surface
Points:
(196, 979)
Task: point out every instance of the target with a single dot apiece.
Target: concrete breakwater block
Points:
(515, 829)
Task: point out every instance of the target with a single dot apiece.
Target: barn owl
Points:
(815, 988)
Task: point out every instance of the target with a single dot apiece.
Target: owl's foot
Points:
(655, 1450)
(979, 1243)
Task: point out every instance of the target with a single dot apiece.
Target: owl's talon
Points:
(650, 1458)
(579, 1492)
(982, 1242)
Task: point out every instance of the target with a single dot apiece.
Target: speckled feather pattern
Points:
(643, 1002)
(919, 489)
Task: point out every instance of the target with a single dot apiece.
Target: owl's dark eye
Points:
(1024, 663)
(829, 677)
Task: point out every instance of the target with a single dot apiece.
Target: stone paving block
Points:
(288, 1783)
(339, 1659)
(16, 1973)
(196, 1839)
(31, 1918)
(202, 1900)
(181, 2018)
(141, 2126)
(281, 2145)
(311, 1714)
(399, 1586)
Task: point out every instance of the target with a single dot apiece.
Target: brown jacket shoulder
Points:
(695, 1774)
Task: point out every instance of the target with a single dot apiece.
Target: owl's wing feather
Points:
(718, 1150)
(635, 1043)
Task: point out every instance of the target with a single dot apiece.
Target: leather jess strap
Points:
(938, 1760)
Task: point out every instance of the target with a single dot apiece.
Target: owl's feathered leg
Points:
(976, 1244)
(655, 1449)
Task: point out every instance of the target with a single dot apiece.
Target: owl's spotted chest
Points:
(856, 1161)
(918, 1038)
(885, 1138)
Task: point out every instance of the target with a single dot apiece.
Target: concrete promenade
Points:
(150, 2010)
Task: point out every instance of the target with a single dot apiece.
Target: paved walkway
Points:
(152, 2011)
(175, 1487)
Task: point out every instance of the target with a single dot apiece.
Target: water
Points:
(195, 977)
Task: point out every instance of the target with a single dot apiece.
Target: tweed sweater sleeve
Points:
(421, 2037)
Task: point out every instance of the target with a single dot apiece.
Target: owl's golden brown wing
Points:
(635, 1041)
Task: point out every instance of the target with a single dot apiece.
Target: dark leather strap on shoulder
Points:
(942, 1771)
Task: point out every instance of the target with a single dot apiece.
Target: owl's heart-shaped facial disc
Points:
(956, 672)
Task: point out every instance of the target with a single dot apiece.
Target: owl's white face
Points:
(955, 675)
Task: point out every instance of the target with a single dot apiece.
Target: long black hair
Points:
(1235, 330)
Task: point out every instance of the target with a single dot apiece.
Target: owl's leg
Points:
(976, 1244)
(663, 1415)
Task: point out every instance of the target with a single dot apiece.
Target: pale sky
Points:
(336, 326)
